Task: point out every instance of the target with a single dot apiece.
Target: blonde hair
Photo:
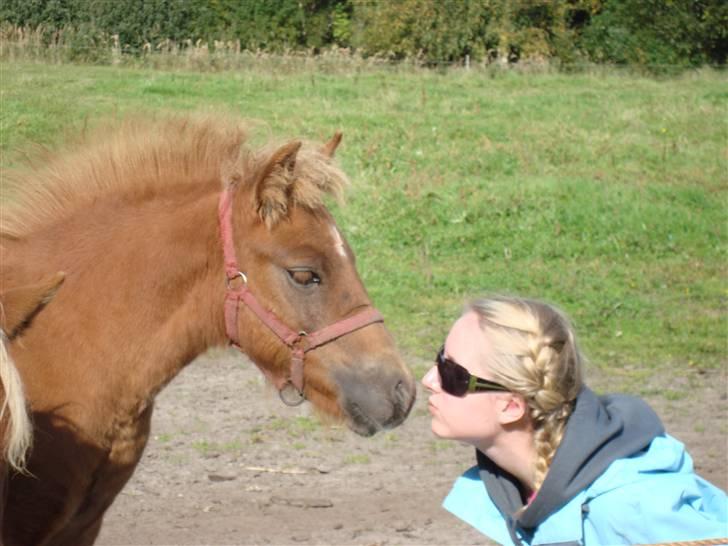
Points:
(536, 356)
(17, 437)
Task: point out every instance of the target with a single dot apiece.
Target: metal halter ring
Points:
(238, 274)
(290, 395)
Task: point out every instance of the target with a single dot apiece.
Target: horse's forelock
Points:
(312, 177)
(317, 175)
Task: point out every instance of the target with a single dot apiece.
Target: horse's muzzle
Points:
(373, 401)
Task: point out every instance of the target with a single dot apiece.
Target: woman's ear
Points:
(511, 408)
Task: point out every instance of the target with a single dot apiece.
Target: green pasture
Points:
(604, 192)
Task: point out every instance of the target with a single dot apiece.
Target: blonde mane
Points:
(16, 430)
(138, 158)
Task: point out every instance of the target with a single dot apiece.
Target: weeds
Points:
(358, 458)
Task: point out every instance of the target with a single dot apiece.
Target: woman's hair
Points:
(536, 356)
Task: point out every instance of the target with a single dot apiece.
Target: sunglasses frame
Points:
(473, 384)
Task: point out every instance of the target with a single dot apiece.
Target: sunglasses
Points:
(456, 380)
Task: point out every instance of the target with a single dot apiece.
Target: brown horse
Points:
(174, 237)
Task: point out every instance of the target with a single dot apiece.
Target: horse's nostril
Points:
(403, 399)
(403, 396)
(400, 391)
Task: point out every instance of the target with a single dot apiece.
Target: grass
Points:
(207, 448)
(297, 427)
(357, 459)
(604, 193)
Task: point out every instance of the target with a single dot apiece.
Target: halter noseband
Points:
(291, 387)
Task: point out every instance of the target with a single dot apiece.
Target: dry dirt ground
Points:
(228, 463)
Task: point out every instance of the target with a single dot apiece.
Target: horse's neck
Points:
(143, 297)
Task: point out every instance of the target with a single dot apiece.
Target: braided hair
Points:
(536, 356)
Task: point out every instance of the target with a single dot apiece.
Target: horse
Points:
(175, 235)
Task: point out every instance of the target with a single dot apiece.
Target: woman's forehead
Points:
(467, 344)
(464, 329)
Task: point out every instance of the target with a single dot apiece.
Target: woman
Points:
(557, 464)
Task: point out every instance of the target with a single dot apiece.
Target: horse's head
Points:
(300, 268)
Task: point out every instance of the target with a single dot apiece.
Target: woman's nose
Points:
(431, 380)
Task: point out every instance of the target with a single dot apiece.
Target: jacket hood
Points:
(599, 431)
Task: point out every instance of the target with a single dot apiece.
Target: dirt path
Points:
(228, 463)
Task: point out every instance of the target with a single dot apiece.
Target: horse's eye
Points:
(304, 277)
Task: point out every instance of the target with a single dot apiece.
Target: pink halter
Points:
(291, 387)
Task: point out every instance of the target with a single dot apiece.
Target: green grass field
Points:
(604, 193)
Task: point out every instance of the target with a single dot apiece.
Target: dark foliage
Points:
(646, 33)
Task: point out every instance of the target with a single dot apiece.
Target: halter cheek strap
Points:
(299, 342)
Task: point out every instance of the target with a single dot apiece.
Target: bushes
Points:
(434, 30)
(448, 30)
(257, 24)
(647, 33)
(658, 33)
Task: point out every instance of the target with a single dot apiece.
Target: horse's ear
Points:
(20, 305)
(329, 148)
(274, 183)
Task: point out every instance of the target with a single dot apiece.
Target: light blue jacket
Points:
(652, 496)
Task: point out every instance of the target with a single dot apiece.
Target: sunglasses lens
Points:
(454, 378)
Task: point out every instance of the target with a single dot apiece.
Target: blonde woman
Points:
(557, 464)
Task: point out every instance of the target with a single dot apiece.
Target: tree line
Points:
(648, 33)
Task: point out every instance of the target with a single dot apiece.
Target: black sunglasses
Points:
(456, 380)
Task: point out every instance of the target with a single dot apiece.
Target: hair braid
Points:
(535, 356)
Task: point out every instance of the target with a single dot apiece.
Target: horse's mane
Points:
(137, 158)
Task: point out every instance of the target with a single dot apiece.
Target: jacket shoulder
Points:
(654, 496)
(469, 501)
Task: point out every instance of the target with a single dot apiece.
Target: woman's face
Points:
(473, 417)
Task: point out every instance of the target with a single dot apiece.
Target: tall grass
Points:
(69, 45)
(604, 193)
(45, 46)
